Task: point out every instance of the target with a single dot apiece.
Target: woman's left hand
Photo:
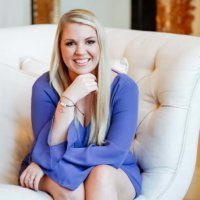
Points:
(31, 176)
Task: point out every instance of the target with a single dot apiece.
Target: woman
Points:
(84, 118)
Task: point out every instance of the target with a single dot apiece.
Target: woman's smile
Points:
(82, 62)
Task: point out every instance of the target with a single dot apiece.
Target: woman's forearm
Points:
(62, 119)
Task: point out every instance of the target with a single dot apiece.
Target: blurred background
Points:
(175, 16)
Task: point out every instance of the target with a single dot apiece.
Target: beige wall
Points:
(15, 12)
(112, 13)
(18, 12)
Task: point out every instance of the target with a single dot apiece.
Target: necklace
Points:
(79, 110)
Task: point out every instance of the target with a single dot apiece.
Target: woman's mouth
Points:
(82, 62)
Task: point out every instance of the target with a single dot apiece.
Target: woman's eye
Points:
(90, 42)
(69, 44)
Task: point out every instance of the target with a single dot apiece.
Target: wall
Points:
(112, 13)
(15, 13)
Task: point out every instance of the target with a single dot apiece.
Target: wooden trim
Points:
(176, 16)
(45, 11)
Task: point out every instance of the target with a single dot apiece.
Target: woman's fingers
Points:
(93, 87)
(89, 76)
(31, 181)
(37, 181)
(22, 177)
(31, 176)
(27, 179)
(81, 87)
(91, 84)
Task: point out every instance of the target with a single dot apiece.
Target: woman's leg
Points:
(60, 193)
(106, 182)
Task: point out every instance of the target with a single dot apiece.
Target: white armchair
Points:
(166, 68)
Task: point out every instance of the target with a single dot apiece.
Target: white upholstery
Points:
(166, 68)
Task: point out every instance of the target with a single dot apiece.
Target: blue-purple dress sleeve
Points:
(43, 105)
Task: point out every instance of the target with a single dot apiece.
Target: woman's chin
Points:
(84, 70)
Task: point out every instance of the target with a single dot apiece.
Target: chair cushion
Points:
(16, 130)
(8, 192)
(33, 66)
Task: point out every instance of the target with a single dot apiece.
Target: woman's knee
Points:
(101, 174)
(100, 183)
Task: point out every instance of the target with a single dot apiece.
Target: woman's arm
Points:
(80, 87)
(45, 115)
(63, 117)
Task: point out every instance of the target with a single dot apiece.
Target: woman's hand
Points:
(31, 176)
(81, 87)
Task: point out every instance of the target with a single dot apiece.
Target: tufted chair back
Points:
(166, 68)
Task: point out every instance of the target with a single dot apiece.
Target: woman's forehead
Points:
(78, 30)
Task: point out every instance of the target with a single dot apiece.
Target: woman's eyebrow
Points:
(91, 37)
(68, 39)
(88, 38)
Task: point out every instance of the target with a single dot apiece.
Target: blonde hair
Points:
(59, 77)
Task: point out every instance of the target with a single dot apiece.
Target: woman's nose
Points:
(80, 49)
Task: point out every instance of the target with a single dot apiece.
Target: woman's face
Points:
(79, 49)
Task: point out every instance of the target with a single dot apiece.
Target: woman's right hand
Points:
(31, 176)
(81, 87)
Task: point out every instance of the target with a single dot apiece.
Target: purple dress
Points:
(70, 162)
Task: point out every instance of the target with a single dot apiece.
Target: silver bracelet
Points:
(65, 104)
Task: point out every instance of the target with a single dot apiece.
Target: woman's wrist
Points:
(64, 105)
(69, 96)
(66, 101)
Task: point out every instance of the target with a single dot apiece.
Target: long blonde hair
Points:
(59, 76)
